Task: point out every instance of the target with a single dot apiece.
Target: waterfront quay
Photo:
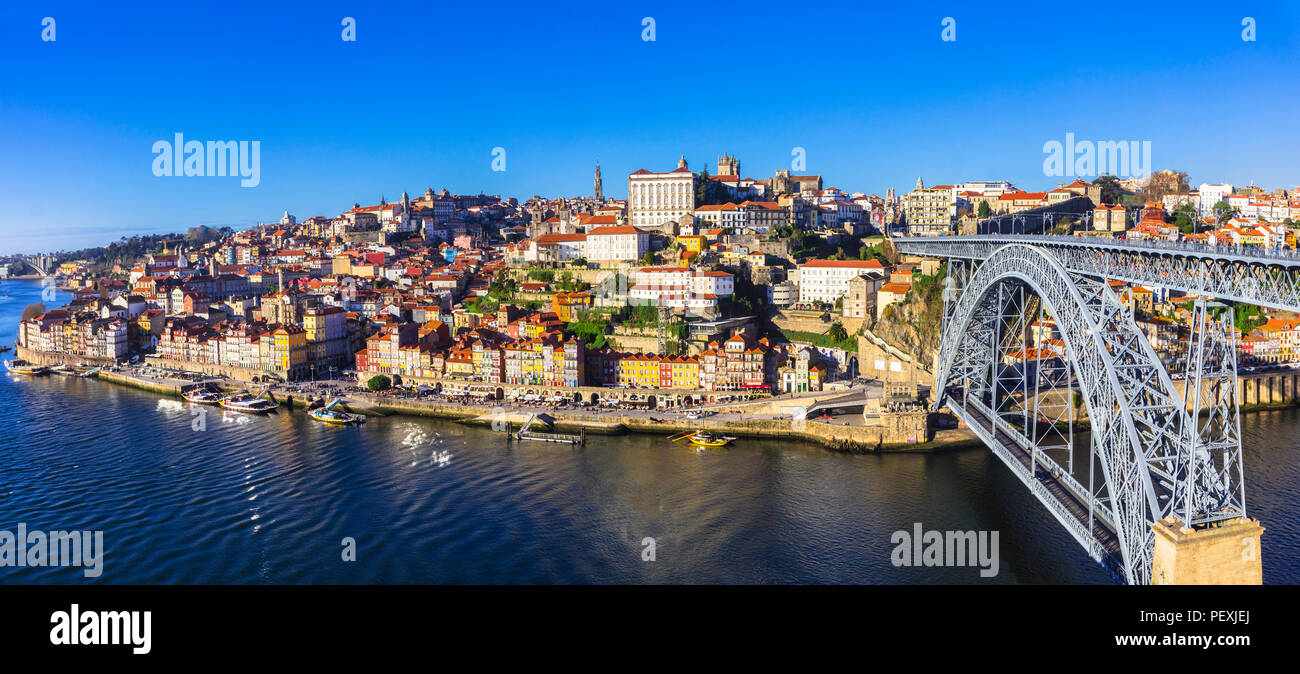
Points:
(754, 419)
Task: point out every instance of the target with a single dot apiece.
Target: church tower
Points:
(681, 163)
(919, 185)
(600, 193)
(728, 165)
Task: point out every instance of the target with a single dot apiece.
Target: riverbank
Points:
(848, 439)
(840, 438)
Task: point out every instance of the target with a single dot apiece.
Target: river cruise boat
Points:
(24, 367)
(248, 403)
(202, 396)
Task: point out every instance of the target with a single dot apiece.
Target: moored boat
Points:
(24, 367)
(329, 415)
(250, 404)
(704, 439)
(202, 396)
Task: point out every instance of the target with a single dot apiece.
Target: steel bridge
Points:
(1154, 450)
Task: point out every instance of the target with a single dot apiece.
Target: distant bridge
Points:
(1149, 457)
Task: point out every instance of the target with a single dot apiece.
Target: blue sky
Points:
(426, 92)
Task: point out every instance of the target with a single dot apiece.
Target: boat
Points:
(328, 415)
(248, 403)
(704, 439)
(201, 396)
(24, 367)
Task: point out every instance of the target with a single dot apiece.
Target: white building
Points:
(783, 294)
(652, 282)
(656, 198)
(828, 280)
(557, 248)
(1209, 195)
(624, 242)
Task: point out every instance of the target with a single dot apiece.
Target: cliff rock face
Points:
(913, 324)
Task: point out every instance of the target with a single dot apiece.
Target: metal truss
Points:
(1217, 490)
(1256, 277)
(1147, 458)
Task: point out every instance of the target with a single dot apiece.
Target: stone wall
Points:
(57, 358)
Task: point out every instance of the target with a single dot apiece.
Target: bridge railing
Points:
(1158, 245)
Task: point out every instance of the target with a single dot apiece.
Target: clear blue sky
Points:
(429, 88)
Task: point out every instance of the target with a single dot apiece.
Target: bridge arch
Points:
(1137, 417)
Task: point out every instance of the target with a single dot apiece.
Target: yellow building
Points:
(638, 370)
(568, 306)
(685, 371)
(692, 244)
(289, 349)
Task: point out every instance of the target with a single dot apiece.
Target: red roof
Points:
(862, 264)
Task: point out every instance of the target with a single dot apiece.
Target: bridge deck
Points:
(975, 415)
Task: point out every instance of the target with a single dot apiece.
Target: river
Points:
(198, 495)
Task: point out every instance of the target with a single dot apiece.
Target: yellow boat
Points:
(704, 439)
(24, 367)
(327, 415)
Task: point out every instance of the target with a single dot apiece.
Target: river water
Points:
(198, 495)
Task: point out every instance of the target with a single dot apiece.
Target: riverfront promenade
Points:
(596, 421)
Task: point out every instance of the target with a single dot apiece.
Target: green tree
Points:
(648, 258)
(702, 187)
(837, 332)
(1223, 211)
(1110, 188)
(1185, 218)
(984, 210)
(379, 382)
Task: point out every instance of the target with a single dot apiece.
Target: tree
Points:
(1185, 218)
(837, 332)
(379, 382)
(33, 310)
(1167, 182)
(702, 187)
(648, 258)
(984, 210)
(1223, 211)
(1110, 188)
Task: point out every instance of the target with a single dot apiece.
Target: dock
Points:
(526, 433)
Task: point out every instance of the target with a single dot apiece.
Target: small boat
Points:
(328, 415)
(201, 396)
(247, 403)
(24, 367)
(704, 439)
(4, 348)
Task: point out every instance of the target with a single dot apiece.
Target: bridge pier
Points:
(1224, 553)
